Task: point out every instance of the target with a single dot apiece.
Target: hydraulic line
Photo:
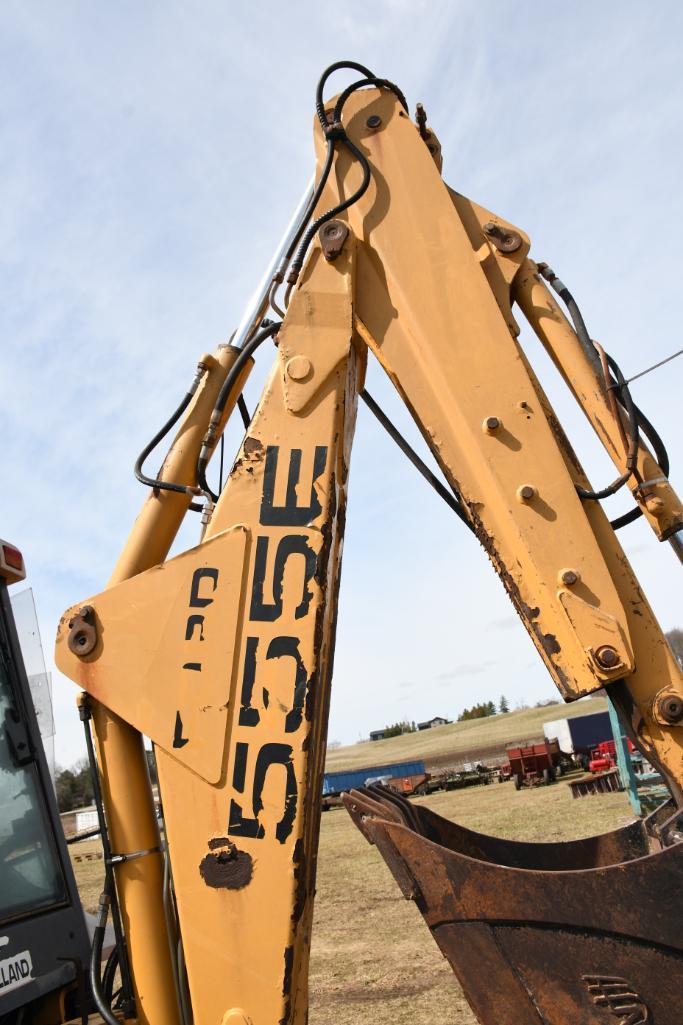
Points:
(164, 485)
(231, 379)
(637, 419)
(452, 500)
(335, 132)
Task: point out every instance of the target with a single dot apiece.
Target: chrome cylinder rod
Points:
(676, 542)
(258, 304)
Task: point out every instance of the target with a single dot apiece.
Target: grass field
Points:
(373, 960)
(459, 740)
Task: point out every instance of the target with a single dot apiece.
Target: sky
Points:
(151, 156)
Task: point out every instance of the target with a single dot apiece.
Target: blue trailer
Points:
(335, 783)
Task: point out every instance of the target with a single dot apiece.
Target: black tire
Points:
(500, 779)
(547, 777)
(517, 781)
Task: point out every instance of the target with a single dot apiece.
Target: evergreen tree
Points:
(503, 706)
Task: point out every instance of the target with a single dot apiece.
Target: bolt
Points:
(491, 424)
(526, 492)
(298, 367)
(569, 577)
(373, 122)
(607, 657)
(670, 708)
(333, 230)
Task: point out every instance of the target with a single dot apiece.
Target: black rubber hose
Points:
(244, 412)
(298, 261)
(96, 952)
(662, 457)
(221, 402)
(623, 391)
(162, 485)
(451, 500)
(621, 388)
(151, 482)
(322, 82)
(109, 975)
(334, 132)
(380, 83)
(315, 199)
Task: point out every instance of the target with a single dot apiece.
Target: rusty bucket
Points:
(588, 932)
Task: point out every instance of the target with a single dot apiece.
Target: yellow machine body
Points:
(222, 656)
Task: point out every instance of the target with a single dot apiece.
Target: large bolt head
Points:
(670, 708)
(607, 657)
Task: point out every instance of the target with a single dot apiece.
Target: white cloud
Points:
(151, 158)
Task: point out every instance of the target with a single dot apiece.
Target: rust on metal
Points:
(82, 632)
(505, 240)
(670, 708)
(569, 931)
(225, 867)
(333, 235)
(607, 657)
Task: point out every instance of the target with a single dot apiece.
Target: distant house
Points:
(438, 720)
(377, 734)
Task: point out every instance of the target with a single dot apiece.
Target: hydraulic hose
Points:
(96, 952)
(152, 482)
(336, 132)
(222, 400)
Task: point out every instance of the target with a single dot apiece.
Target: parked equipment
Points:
(534, 765)
(337, 783)
(578, 735)
(44, 944)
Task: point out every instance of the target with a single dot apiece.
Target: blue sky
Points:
(151, 156)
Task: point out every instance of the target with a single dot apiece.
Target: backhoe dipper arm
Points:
(223, 655)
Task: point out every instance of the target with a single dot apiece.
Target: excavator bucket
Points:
(581, 933)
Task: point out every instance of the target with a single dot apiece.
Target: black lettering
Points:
(249, 716)
(192, 622)
(288, 647)
(238, 825)
(290, 514)
(279, 647)
(196, 601)
(268, 756)
(196, 666)
(292, 544)
(178, 739)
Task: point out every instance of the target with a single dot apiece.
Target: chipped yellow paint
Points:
(419, 284)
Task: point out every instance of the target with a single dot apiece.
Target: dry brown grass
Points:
(89, 874)
(374, 961)
(460, 739)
